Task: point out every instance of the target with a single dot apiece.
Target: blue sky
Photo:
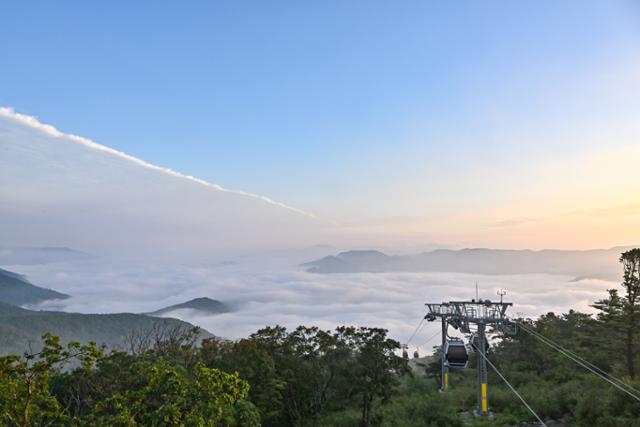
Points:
(375, 110)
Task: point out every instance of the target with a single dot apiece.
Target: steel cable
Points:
(509, 385)
(429, 339)
(416, 331)
(607, 377)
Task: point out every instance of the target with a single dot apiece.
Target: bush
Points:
(430, 410)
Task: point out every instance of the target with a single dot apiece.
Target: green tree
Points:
(306, 362)
(171, 396)
(254, 364)
(621, 314)
(25, 395)
(376, 368)
(319, 371)
(631, 283)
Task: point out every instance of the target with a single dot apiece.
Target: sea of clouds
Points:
(279, 292)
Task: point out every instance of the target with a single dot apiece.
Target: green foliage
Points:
(375, 371)
(25, 395)
(117, 390)
(170, 396)
(415, 410)
(298, 377)
(255, 365)
(622, 312)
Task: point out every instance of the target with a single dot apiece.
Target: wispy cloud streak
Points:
(50, 130)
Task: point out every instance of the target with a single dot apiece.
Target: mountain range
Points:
(15, 289)
(21, 330)
(39, 255)
(203, 305)
(597, 263)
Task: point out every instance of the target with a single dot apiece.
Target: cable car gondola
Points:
(456, 354)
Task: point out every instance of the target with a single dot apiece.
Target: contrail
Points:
(50, 130)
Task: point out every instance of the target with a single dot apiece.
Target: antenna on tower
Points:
(501, 292)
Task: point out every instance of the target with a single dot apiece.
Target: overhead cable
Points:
(509, 385)
(619, 384)
(416, 331)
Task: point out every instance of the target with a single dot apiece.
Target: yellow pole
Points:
(485, 405)
(446, 381)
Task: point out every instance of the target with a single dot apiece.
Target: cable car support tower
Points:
(472, 318)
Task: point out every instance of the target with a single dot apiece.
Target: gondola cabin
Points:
(456, 354)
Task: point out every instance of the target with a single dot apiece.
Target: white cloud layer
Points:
(276, 293)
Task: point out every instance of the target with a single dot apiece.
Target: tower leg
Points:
(444, 378)
(483, 402)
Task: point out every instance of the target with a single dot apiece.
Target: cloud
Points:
(34, 123)
(631, 209)
(265, 295)
(511, 222)
(607, 212)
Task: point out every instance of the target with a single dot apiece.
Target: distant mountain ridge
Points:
(596, 263)
(21, 329)
(203, 304)
(15, 289)
(38, 255)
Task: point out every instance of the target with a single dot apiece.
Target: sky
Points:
(475, 123)
(63, 190)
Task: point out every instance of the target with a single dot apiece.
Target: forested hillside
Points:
(17, 290)
(21, 329)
